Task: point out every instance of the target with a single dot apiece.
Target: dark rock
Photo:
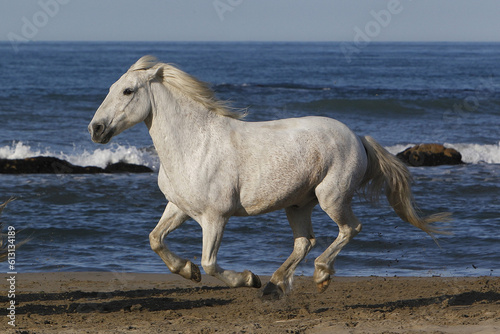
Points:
(51, 165)
(43, 165)
(430, 155)
(123, 167)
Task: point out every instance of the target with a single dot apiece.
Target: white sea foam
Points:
(471, 153)
(476, 153)
(19, 151)
(82, 157)
(114, 154)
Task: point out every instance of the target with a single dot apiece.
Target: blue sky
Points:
(250, 20)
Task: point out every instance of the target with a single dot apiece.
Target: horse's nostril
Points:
(98, 129)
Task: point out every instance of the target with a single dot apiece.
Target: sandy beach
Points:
(99, 302)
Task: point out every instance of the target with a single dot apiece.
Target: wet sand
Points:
(162, 303)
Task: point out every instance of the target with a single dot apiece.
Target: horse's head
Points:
(127, 103)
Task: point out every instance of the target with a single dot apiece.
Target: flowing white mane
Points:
(195, 89)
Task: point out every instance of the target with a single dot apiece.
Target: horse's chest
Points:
(195, 194)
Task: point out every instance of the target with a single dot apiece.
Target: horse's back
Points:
(320, 139)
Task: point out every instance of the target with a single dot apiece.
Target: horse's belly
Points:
(275, 197)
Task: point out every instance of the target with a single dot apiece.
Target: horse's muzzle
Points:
(100, 133)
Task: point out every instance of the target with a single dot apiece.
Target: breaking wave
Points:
(82, 157)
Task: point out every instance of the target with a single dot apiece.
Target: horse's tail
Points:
(386, 171)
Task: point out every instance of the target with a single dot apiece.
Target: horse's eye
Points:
(127, 91)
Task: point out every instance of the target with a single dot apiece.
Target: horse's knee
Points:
(155, 242)
(351, 230)
(358, 228)
(304, 245)
(355, 230)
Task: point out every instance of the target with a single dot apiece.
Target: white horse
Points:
(214, 166)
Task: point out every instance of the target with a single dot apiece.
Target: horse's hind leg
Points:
(171, 219)
(340, 211)
(300, 222)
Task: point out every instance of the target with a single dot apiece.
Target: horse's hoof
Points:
(195, 273)
(323, 285)
(272, 292)
(255, 281)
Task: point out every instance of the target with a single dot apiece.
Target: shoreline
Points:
(110, 302)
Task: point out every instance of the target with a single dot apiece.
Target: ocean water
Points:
(401, 94)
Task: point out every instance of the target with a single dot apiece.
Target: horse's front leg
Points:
(171, 219)
(213, 230)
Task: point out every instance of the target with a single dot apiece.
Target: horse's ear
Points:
(156, 73)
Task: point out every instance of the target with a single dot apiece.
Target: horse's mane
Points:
(195, 89)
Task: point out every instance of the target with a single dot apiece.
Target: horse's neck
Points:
(180, 128)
